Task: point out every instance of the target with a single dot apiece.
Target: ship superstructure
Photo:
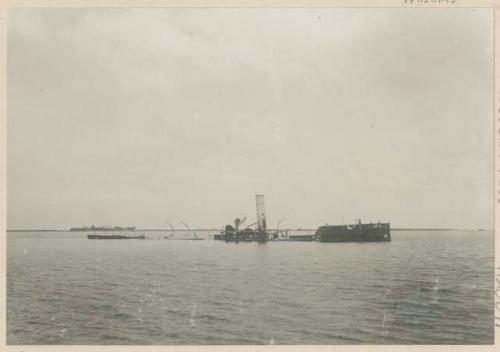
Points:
(248, 234)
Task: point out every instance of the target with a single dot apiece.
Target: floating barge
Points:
(379, 232)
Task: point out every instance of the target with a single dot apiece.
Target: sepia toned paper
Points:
(174, 115)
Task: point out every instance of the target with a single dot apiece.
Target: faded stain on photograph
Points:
(250, 176)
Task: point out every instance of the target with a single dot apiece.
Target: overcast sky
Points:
(141, 116)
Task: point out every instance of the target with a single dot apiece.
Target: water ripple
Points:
(422, 288)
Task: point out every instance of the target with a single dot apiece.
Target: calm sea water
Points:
(422, 288)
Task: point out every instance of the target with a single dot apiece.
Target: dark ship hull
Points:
(302, 238)
(115, 237)
(247, 235)
(380, 232)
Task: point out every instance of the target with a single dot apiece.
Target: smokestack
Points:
(236, 225)
(261, 212)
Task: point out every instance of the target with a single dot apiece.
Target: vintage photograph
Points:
(250, 176)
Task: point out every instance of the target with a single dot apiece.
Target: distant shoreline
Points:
(206, 230)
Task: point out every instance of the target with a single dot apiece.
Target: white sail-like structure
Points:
(261, 212)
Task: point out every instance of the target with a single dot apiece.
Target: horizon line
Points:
(270, 229)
